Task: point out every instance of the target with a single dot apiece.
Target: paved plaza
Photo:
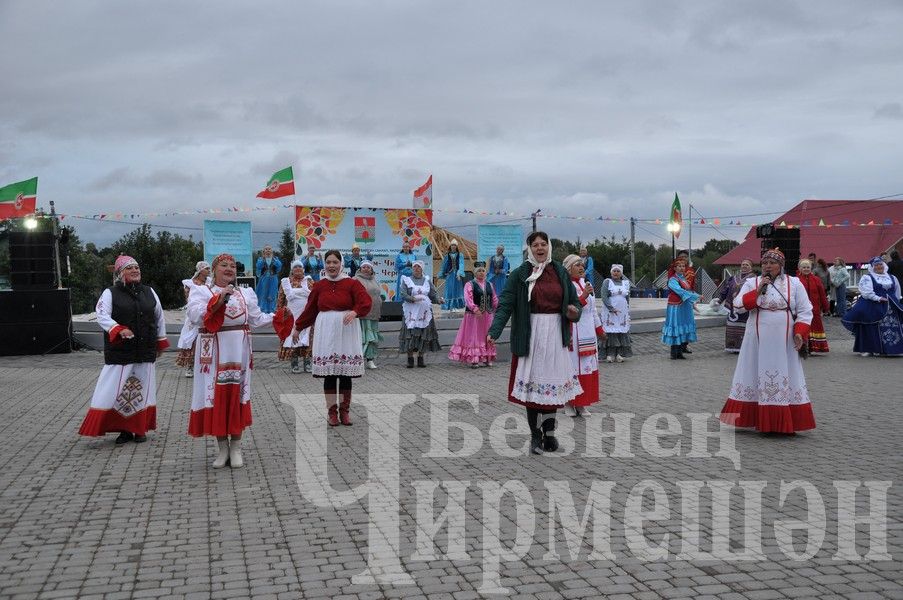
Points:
(84, 518)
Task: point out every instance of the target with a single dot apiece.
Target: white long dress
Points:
(221, 399)
(125, 397)
(769, 390)
(190, 328)
(296, 299)
(583, 350)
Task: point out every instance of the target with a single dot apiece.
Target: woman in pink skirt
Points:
(480, 301)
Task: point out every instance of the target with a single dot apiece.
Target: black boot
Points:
(549, 441)
(125, 437)
(685, 349)
(675, 352)
(536, 442)
(420, 362)
(410, 361)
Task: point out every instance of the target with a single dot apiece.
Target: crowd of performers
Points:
(328, 324)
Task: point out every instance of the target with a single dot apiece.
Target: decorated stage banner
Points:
(489, 237)
(380, 232)
(233, 237)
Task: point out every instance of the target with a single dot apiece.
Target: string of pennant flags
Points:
(716, 222)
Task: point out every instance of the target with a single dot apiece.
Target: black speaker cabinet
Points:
(31, 260)
(391, 311)
(788, 241)
(35, 322)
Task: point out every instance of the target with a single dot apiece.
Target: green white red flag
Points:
(282, 183)
(676, 216)
(423, 196)
(18, 199)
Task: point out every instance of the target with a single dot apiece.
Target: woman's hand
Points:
(573, 313)
(797, 341)
(126, 334)
(489, 341)
(348, 317)
(477, 312)
(296, 335)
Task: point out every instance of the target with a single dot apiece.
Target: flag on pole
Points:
(423, 196)
(282, 183)
(676, 216)
(18, 199)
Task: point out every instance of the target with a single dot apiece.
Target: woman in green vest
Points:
(541, 303)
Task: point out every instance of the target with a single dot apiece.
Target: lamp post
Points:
(674, 228)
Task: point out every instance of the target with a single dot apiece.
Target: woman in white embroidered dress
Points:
(189, 328)
(615, 297)
(221, 402)
(585, 335)
(769, 389)
(294, 291)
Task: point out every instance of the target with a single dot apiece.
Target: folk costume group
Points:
(554, 335)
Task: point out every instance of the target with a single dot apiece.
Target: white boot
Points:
(235, 457)
(223, 455)
(570, 411)
(371, 364)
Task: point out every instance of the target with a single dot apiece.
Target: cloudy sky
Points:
(593, 108)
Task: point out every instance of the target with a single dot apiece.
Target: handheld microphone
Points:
(765, 280)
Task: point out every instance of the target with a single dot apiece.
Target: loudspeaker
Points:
(35, 322)
(391, 311)
(35, 306)
(31, 260)
(22, 339)
(788, 242)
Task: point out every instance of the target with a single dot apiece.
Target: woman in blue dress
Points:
(268, 268)
(404, 262)
(498, 270)
(680, 323)
(877, 317)
(453, 272)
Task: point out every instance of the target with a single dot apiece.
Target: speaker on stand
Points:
(787, 240)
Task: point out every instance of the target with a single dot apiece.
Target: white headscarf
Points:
(570, 260)
(618, 267)
(296, 264)
(342, 274)
(874, 262)
(538, 268)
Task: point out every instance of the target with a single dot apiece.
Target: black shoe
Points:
(410, 362)
(420, 362)
(536, 443)
(679, 357)
(124, 437)
(140, 439)
(684, 348)
(549, 441)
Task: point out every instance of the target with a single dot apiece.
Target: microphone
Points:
(765, 281)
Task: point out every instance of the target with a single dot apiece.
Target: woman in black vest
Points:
(125, 399)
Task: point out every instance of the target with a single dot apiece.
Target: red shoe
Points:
(333, 417)
(343, 410)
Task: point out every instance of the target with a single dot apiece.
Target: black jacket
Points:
(133, 307)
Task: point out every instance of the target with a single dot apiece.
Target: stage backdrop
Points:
(233, 237)
(489, 237)
(379, 231)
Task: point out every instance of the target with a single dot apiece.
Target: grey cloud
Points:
(125, 177)
(891, 110)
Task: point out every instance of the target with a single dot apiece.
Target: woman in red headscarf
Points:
(125, 398)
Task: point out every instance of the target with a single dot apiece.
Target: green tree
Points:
(286, 251)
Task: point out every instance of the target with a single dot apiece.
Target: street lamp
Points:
(674, 228)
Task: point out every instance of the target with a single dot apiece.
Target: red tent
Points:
(854, 230)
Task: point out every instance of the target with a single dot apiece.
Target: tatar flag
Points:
(676, 216)
(364, 229)
(423, 196)
(282, 183)
(18, 199)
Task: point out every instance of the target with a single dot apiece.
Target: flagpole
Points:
(690, 241)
